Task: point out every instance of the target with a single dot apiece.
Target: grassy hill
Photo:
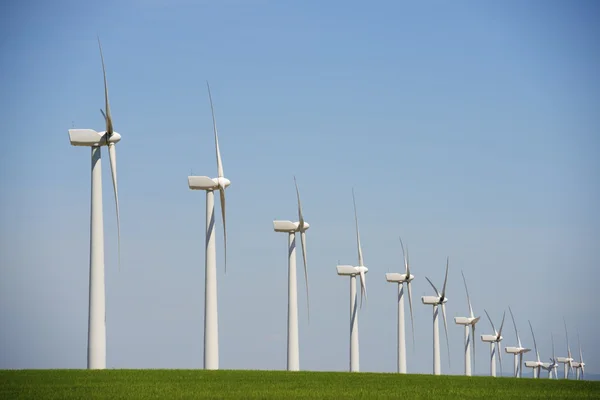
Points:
(224, 384)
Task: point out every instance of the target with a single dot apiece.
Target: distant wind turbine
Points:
(353, 271)
(211, 320)
(495, 346)
(517, 351)
(471, 320)
(579, 365)
(567, 361)
(96, 356)
(400, 279)
(537, 364)
(293, 348)
(553, 364)
(439, 300)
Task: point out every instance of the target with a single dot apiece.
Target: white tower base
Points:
(211, 327)
(293, 351)
(97, 302)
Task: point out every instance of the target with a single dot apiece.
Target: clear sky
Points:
(471, 128)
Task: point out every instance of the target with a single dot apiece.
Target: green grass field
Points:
(188, 384)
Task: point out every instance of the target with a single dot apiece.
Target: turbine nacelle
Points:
(289, 226)
(350, 270)
(398, 278)
(91, 138)
(533, 364)
(564, 359)
(466, 320)
(491, 338)
(516, 350)
(206, 183)
(433, 300)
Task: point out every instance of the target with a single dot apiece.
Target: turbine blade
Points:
(534, 342)
(222, 195)
(501, 325)
(433, 286)
(467, 290)
(303, 240)
(112, 155)
(580, 353)
(412, 321)
(107, 116)
(363, 287)
(567, 335)
(219, 163)
(488, 315)
(553, 354)
(360, 256)
(446, 278)
(515, 325)
(300, 216)
(404, 257)
(446, 330)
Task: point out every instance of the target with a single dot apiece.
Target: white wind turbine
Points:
(552, 366)
(494, 341)
(567, 361)
(439, 300)
(353, 271)
(400, 279)
(293, 349)
(211, 327)
(471, 320)
(517, 351)
(537, 364)
(96, 356)
(579, 366)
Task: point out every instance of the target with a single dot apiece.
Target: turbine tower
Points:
(552, 366)
(400, 279)
(471, 320)
(353, 271)
(494, 341)
(517, 351)
(439, 300)
(293, 349)
(537, 364)
(211, 327)
(96, 354)
(567, 361)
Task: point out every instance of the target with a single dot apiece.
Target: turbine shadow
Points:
(354, 311)
(292, 246)
(211, 227)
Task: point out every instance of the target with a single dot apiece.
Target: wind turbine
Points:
(579, 365)
(96, 356)
(494, 341)
(293, 349)
(353, 271)
(400, 279)
(439, 300)
(567, 361)
(536, 365)
(471, 320)
(211, 327)
(517, 351)
(553, 365)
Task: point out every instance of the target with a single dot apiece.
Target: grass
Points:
(225, 384)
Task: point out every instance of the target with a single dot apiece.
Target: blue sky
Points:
(470, 128)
